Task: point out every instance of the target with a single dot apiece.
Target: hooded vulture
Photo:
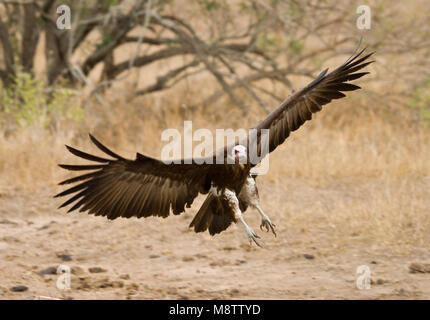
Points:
(117, 187)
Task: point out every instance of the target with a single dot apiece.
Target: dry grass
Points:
(363, 178)
(353, 172)
(357, 175)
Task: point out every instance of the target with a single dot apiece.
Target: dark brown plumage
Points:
(299, 106)
(118, 187)
(215, 215)
(142, 187)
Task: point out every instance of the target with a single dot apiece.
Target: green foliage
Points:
(244, 6)
(267, 41)
(209, 5)
(420, 100)
(107, 39)
(27, 102)
(83, 10)
(296, 46)
(110, 3)
(294, 10)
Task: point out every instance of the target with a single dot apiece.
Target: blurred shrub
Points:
(209, 4)
(420, 101)
(29, 101)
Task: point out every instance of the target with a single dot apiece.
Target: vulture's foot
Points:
(265, 222)
(252, 236)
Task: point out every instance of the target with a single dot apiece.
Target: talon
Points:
(256, 242)
(252, 236)
(273, 230)
(265, 222)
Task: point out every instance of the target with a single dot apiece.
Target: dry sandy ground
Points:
(162, 259)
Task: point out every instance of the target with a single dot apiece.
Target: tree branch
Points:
(162, 82)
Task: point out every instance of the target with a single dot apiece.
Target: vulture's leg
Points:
(234, 204)
(249, 232)
(265, 221)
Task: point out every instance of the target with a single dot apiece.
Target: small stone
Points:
(239, 262)
(19, 288)
(132, 287)
(419, 268)
(65, 257)
(309, 256)
(6, 221)
(187, 259)
(117, 284)
(77, 271)
(50, 270)
(229, 248)
(96, 270)
(124, 277)
(154, 256)
(104, 283)
(234, 292)
(84, 286)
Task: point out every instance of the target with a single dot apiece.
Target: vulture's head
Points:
(239, 153)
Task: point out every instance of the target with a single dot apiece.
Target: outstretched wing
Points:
(125, 188)
(299, 106)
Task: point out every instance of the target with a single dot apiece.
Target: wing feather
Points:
(124, 188)
(299, 106)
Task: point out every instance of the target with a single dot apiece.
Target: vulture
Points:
(118, 187)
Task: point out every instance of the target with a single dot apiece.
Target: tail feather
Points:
(200, 221)
(212, 215)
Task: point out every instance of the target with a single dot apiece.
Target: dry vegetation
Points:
(351, 186)
(371, 171)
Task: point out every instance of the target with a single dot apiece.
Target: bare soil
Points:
(163, 259)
